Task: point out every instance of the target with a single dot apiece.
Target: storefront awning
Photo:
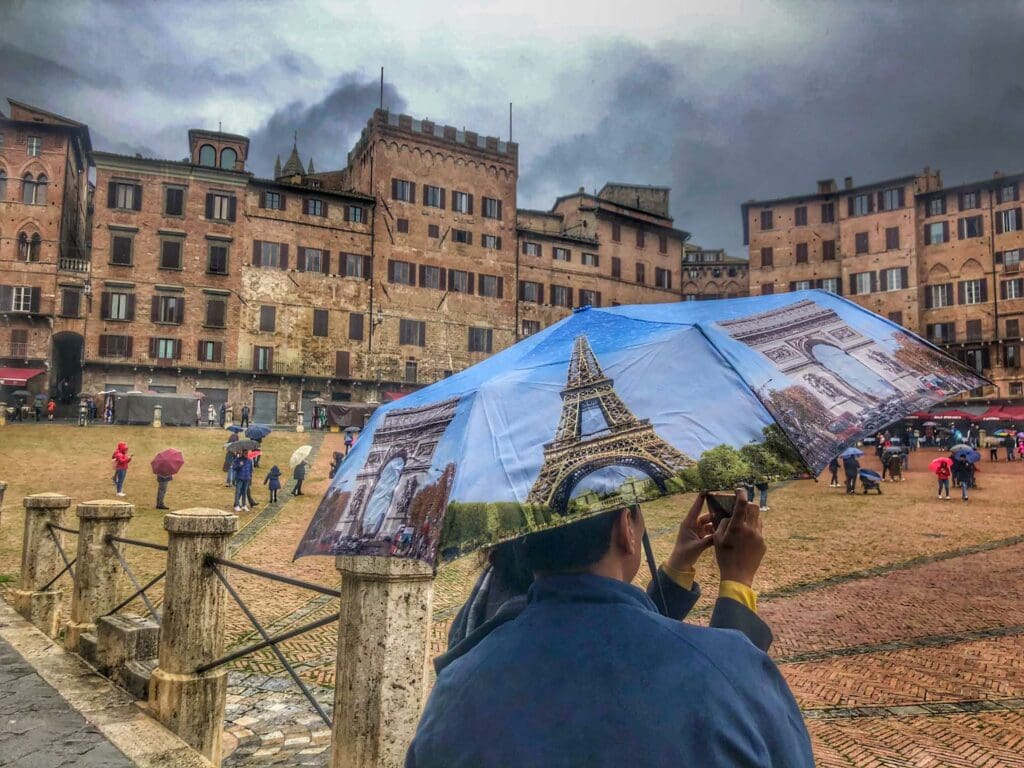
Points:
(18, 376)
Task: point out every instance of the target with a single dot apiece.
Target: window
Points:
(412, 332)
(401, 272)
(970, 226)
(481, 339)
(164, 349)
(767, 257)
(462, 236)
(1016, 388)
(861, 283)
(973, 330)
(211, 351)
(35, 145)
(1008, 220)
(662, 244)
(828, 250)
(70, 302)
(460, 281)
(430, 277)
(170, 254)
(313, 206)
(410, 371)
(938, 296)
(587, 298)
(19, 343)
(216, 313)
(217, 259)
(28, 248)
(560, 254)
(1013, 328)
(1011, 289)
(800, 285)
(1011, 355)
(530, 327)
(561, 296)
(860, 205)
(531, 249)
(970, 200)
(640, 238)
(356, 214)
(462, 202)
(767, 289)
(311, 260)
(972, 292)
(433, 197)
(936, 233)
(492, 208)
(21, 298)
(589, 259)
(890, 199)
(320, 319)
(342, 364)
(402, 190)
(941, 332)
(641, 273)
(896, 317)
(39, 189)
(402, 226)
(860, 242)
(355, 326)
(268, 318)
(491, 285)
(663, 278)
(228, 158)
(433, 231)
(935, 206)
(121, 250)
(800, 216)
(220, 207)
(531, 291)
(168, 309)
(801, 253)
(616, 267)
(1010, 260)
(174, 201)
(766, 220)
(491, 242)
(894, 279)
(267, 254)
(115, 346)
(616, 233)
(124, 195)
(262, 359)
(207, 156)
(272, 200)
(830, 284)
(28, 189)
(828, 213)
(355, 265)
(117, 306)
(3, 182)
(1008, 193)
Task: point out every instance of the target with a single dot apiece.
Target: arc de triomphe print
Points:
(398, 464)
(790, 337)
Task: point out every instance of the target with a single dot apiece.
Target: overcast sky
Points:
(723, 101)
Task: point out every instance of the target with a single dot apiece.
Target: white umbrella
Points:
(300, 455)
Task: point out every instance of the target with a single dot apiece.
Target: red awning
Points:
(995, 413)
(18, 376)
(955, 414)
(1012, 412)
(391, 396)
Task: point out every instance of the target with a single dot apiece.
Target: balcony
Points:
(1011, 268)
(66, 264)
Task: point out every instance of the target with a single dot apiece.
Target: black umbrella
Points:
(22, 393)
(258, 431)
(235, 428)
(241, 446)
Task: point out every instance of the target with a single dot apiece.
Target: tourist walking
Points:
(962, 474)
(51, 410)
(850, 469)
(242, 470)
(833, 467)
(245, 416)
(211, 415)
(299, 474)
(762, 488)
(121, 461)
(943, 473)
(273, 482)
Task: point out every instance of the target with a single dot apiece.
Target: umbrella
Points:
(241, 446)
(199, 394)
(851, 452)
(972, 456)
(350, 430)
(167, 462)
(870, 474)
(40, 396)
(577, 419)
(235, 428)
(300, 455)
(22, 393)
(936, 463)
(258, 431)
(1005, 432)
(961, 447)
(892, 449)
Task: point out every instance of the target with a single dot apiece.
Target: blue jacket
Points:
(273, 479)
(591, 674)
(243, 468)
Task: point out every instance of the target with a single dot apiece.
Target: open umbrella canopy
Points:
(168, 462)
(300, 455)
(930, 424)
(22, 393)
(961, 447)
(241, 446)
(258, 431)
(199, 394)
(936, 463)
(41, 396)
(620, 405)
(870, 474)
(235, 428)
(972, 456)
(893, 449)
(1005, 432)
(851, 452)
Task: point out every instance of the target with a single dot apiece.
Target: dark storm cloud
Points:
(885, 91)
(327, 129)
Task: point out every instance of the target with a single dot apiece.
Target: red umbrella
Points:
(167, 462)
(936, 463)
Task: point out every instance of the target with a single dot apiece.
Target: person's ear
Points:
(628, 532)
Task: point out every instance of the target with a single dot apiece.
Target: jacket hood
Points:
(274, 470)
(508, 611)
(122, 447)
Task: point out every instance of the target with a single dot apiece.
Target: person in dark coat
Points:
(962, 474)
(589, 673)
(850, 469)
(245, 416)
(833, 467)
(223, 414)
(229, 459)
(895, 461)
(298, 475)
(162, 482)
(336, 460)
(273, 482)
(242, 470)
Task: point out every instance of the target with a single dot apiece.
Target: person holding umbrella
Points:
(165, 465)
(941, 468)
(962, 473)
(298, 464)
(851, 467)
(242, 471)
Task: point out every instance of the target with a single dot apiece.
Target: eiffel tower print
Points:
(626, 440)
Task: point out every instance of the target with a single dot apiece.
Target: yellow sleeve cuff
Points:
(741, 593)
(683, 579)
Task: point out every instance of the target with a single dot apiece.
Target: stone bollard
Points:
(299, 422)
(192, 704)
(157, 414)
(383, 634)
(98, 574)
(41, 562)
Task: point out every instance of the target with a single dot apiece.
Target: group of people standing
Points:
(240, 468)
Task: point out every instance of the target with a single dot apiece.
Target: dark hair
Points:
(508, 566)
(570, 547)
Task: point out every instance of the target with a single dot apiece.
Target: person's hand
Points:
(695, 535)
(739, 543)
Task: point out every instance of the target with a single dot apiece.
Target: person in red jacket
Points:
(943, 473)
(121, 461)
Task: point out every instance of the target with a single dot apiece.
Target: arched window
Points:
(208, 156)
(33, 247)
(3, 184)
(228, 158)
(28, 189)
(41, 182)
(22, 246)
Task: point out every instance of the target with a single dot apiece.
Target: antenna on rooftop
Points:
(382, 87)
(510, 122)
(218, 127)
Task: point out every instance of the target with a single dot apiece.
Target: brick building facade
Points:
(710, 273)
(941, 261)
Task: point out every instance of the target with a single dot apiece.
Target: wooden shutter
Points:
(499, 244)
(323, 208)
(257, 253)
(904, 277)
(442, 198)
(177, 349)
(284, 255)
(412, 274)
(367, 268)
(999, 223)
(153, 347)
(412, 190)
(179, 316)
(355, 326)
(499, 209)
(263, 199)
(209, 205)
(853, 285)
(325, 262)
(129, 310)
(792, 285)
(129, 344)
(34, 300)
(900, 198)
(961, 292)
(881, 200)
(71, 301)
(928, 297)
(945, 231)
(442, 281)
(111, 195)
(103, 346)
(391, 270)
(218, 352)
(522, 291)
(471, 203)
(425, 187)
(524, 247)
(284, 202)
(346, 209)
(451, 279)
(300, 259)
(341, 364)
(423, 274)
(1002, 289)
(849, 206)
(154, 309)
(394, 189)
(471, 280)
(927, 234)
(984, 289)
(104, 305)
(137, 201)
(501, 287)
(232, 207)
(540, 293)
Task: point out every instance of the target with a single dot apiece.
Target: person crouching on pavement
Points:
(590, 673)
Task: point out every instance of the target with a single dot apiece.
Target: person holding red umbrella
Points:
(941, 468)
(165, 465)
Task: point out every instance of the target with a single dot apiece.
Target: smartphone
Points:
(721, 505)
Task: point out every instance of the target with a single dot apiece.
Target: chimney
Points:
(826, 185)
(848, 182)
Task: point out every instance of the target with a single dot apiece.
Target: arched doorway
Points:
(852, 371)
(377, 507)
(66, 374)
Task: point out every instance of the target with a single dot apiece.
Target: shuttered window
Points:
(480, 340)
(268, 319)
(320, 322)
(342, 364)
(70, 302)
(216, 313)
(210, 351)
(170, 254)
(355, 326)
(412, 332)
(121, 250)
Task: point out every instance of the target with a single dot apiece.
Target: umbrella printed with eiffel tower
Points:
(615, 406)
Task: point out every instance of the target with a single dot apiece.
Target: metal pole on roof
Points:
(510, 122)
(382, 87)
